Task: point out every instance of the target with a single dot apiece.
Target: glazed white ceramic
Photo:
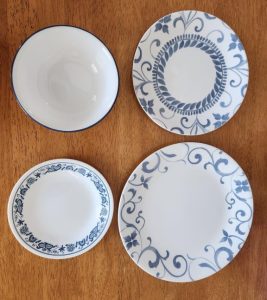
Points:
(60, 208)
(65, 78)
(190, 72)
(185, 212)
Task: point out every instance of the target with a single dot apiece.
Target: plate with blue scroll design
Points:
(190, 72)
(60, 208)
(185, 212)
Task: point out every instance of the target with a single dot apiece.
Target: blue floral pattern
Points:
(183, 266)
(235, 43)
(130, 240)
(163, 41)
(43, 246)
(147, 106)
(220, 119)
(241, 186)
(162, 24)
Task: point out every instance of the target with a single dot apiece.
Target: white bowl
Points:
(65, 78)
(60, 208)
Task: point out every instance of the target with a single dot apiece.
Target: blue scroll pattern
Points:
(184, 266)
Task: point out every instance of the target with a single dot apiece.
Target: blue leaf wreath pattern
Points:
(164, 57)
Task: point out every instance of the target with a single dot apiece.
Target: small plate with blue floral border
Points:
(60, 208)
(190, 72)
(185, 212)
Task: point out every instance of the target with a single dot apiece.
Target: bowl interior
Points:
(65, 78)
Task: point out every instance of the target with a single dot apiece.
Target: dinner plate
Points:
(185, 212)
(190, 72)
(65, 78)
(60, 208)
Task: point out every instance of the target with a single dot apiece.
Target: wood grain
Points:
(118, 143)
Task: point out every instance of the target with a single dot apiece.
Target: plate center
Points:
(184, 209)
(62, 207)
(190, 75)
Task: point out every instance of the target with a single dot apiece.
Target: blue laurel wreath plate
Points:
(60, 208)
(190, 72)
(185, 212)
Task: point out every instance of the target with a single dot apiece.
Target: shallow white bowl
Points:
(60, 208)
(65, 78)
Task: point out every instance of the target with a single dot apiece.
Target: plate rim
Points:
(24, 176)
(124, 189)
(17, 98)
(135, 93)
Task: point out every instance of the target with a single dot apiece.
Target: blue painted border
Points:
(71, 253)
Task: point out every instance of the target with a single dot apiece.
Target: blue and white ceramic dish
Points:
(190, 72)
(60, 208)
(185, 212)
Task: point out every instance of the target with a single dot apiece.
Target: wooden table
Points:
(118, 143)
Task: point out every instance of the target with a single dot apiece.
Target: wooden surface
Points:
(118, 143)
